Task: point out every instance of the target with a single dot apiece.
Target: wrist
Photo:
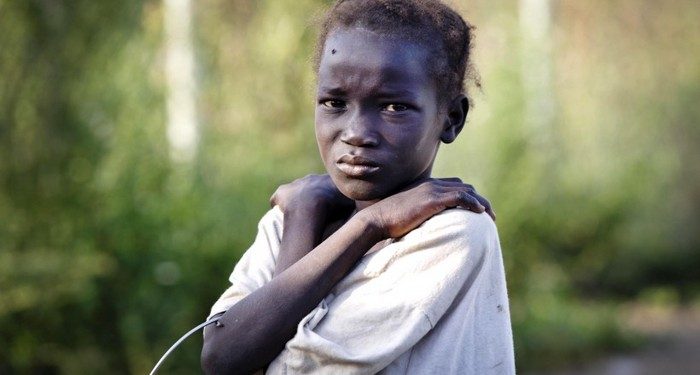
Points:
(305, 217)
(305, 208)
(372, 226)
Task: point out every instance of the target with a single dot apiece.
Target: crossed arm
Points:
(256, 329)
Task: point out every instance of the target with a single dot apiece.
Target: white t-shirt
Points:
(431, 302)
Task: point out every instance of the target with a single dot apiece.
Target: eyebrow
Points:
(384, 93)
(398, 93)
(335, 91)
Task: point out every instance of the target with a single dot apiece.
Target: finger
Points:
(461, 198)
(450, 179)
(484, 202)
(454, 184)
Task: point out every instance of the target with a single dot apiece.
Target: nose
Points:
(359, 132)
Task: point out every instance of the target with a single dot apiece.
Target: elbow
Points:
(215, 360)
(210, 360)
(218, 359)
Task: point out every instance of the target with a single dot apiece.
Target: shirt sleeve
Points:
(391, 299)
(257, 265)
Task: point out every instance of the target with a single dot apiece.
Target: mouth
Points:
(356, 166)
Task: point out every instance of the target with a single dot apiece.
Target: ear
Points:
(456, 116)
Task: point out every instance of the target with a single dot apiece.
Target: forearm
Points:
(303, 228)
(255, 329)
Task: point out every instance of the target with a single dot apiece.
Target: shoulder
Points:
(441, 258)
(457, 225)
(462, 218)
(453, 241)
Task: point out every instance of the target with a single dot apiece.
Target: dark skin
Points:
(379, 123)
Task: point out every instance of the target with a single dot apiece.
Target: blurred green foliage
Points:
(109, 250)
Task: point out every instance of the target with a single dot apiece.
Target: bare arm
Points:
(303, 228)
(256, 328)
(310, 204)
(314, 208)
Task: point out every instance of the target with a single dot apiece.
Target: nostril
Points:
(359, 139)
(359, 130)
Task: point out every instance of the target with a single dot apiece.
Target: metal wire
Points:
(181, 339)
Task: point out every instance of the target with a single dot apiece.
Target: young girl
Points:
(376, 266)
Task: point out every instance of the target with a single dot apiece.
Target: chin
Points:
(360, 190)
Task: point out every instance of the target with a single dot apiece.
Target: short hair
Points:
(420, 21)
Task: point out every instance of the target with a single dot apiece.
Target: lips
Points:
(356, 166)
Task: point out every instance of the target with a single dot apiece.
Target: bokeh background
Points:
(140, 141)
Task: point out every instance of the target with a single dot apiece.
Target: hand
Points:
(400, 213)
(481, 200)
(311, 191)
(310, 205)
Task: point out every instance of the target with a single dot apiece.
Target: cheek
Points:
(418, 147)
(413, 137)
(323, 141)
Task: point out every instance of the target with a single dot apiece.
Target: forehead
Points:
(358, 56)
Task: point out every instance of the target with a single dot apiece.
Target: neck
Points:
(361, 205)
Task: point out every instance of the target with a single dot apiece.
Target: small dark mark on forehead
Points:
(333, 51)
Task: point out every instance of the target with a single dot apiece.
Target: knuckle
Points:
(463, 196)
(468, 199)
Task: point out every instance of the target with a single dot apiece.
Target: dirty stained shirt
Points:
(431, 302)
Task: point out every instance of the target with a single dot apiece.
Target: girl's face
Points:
(378, 122)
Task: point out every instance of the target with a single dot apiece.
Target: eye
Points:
(396, 107)
(333, 103)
